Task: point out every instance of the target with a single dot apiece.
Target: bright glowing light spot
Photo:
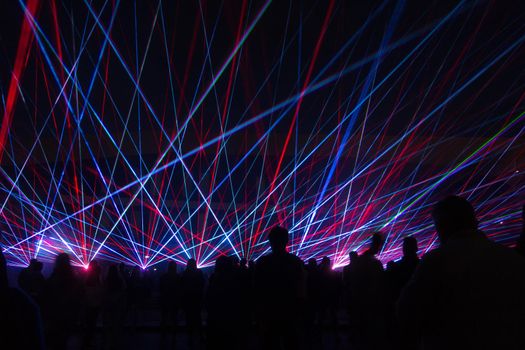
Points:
(501, 222)
(147, 256)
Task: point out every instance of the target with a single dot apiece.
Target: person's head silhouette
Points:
(353, 256)
(376, 243)
(454, 216)
(191, 265)
(312, 263)
(62, 264)
(172, 267)
(278, 238)
(326, 264)
(33, 264)
(409, 246)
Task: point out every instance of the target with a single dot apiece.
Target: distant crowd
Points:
(469, 293)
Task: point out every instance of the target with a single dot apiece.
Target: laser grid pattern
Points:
(145, 132)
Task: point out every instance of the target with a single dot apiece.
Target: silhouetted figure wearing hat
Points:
(467, 293)
(280, 284)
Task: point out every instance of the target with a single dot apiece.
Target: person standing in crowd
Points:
(169, 299)
(20, 323)
(280, 285)
(329, 292)
(92, 300)
(313, 293)
(370, 293)
(192, 284)
(113, 308)
(61, 303)
(222, 304)
(468, 292)
(350, 287)
(31, 280)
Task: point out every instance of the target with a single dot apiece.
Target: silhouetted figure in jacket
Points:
(280, 284)
(222, 304)
(170, 292)
(467, 293)
(370, 295)
(61, 304)
(20, 324)
(192, 283)
(31, 280)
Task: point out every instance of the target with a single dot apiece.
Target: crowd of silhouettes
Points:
(468, 293)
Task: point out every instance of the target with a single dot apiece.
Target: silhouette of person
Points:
(397, 276)
(92, 300)
(169, 298)
(408, 263)
(468, 292)
(280, 284)
(350, 287)
(244, 285)
(20, 323)
(222, 303)
(113, 307)
(329, 291)
(370, 297)
(133, 293)
(192, 283)
(313, 292)
(31, 280)
(61, 304)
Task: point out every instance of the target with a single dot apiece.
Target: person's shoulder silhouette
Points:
(281, 287)
(468, 292)
(280, 277)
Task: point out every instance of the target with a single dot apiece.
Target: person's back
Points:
(222, 304)
(20, 323)
(280, 283)
(466, 294)
(31, 280)
(61, 302)
(192, 283)
(170, 286)
(369, 298)
(192, 293)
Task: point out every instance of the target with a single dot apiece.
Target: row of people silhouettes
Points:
(467, 293)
